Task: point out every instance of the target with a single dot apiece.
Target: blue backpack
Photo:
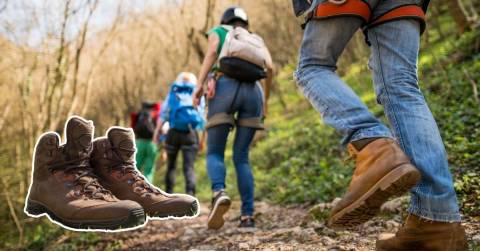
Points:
(182, 115)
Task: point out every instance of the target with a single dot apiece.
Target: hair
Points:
(238, 23)
(186, 77)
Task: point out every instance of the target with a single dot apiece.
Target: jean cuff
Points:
(435, 216)
(218, 187)
(373, 132)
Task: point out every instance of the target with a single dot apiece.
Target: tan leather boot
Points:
(64, 187)
(424, 235)
(113, 159)
(382, 171)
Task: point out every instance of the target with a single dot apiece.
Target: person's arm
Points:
(208, 62)
(157, 131)
(267, 83)
(160, 120)
(203, 138)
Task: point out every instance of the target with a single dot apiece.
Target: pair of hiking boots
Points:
(94, 184)
(384, 171)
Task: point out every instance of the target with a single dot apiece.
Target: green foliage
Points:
(302, 162)
(468, 186)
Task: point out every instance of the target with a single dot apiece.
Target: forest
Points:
(101, 59)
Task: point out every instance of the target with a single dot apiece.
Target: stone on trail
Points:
(243, 246)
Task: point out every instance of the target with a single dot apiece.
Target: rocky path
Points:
(278, 228)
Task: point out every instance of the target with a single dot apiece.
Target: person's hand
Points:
(164, 156)
(197, 95)
(212, 83)
(155, 139)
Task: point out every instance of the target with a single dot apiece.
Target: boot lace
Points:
(128, 167)
(81, 168)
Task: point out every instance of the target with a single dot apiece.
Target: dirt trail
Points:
(278, 228)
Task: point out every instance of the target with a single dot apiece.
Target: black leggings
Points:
(187, 142)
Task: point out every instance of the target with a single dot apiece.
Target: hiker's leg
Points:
(394, 65)
(140, 155)
(189, 152)
(172, 148)
(323, 42)
(246, 187)
(150, 158)
(216, 141)
(171, 166)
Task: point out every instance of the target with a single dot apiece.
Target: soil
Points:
(278, 228)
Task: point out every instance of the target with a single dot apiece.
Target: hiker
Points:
(143, 124)
(185, 121)
(235, 99)
(389, 162)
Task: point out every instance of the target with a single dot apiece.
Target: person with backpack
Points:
(235, 61)
(143, 124)
(185, 121)
(389, 162)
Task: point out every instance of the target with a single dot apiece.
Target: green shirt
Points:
(221, 32)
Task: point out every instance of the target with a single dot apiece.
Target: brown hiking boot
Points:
(424, 235)
(382, 171)
(113, 159)
(64, 187)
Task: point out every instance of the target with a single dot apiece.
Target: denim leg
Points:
(216, 142)
(395, 47)
(340, 107)
(246, 186)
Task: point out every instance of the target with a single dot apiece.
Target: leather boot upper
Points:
(425, 235)
(63, 180)
(113, 159)
(373, 162)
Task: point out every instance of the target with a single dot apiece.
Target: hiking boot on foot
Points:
(382, 171)
(424, 235)
(220, 205)
(65, 188)
(113, 159)
(246, 222)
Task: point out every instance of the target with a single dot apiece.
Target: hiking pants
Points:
(248, 105)
(145, 158)
(187, 142)
(393, 63)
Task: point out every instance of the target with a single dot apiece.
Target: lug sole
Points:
(215, 220)
(135, 218)
(396, 183)
(192, 211)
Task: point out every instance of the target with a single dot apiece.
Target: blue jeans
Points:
(247, 104)
(393, 62)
